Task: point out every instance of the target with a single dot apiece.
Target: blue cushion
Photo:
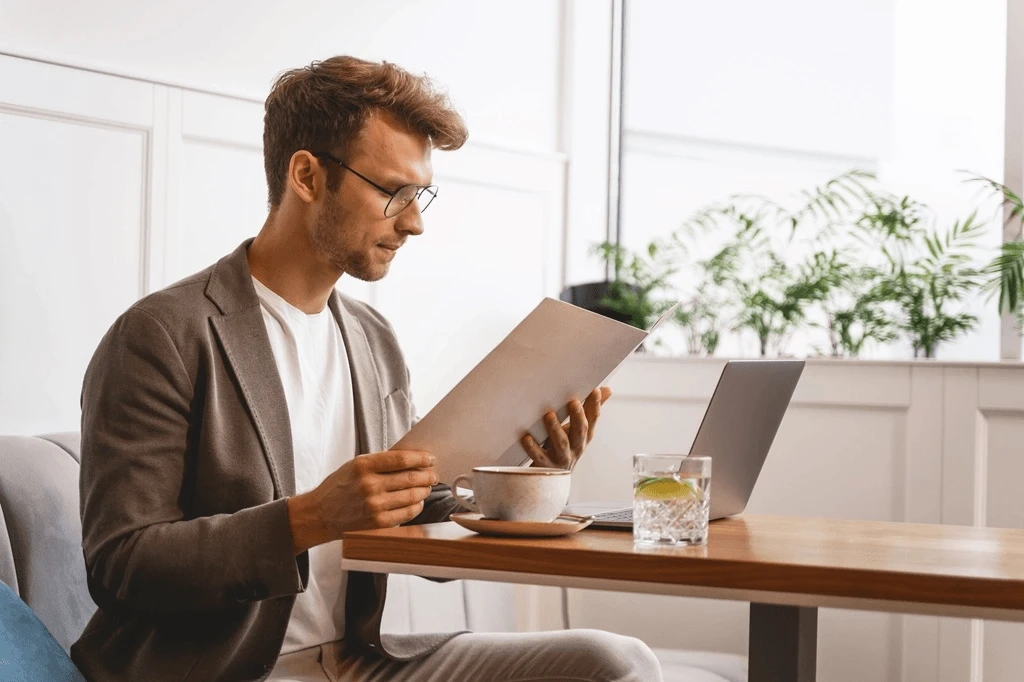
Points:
(28, 652)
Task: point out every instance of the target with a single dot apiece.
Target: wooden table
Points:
(785, 567)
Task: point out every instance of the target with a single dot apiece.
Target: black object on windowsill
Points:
(589, 296)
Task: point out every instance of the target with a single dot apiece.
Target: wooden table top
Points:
(859, 560)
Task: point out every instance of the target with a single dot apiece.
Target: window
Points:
(772, 99)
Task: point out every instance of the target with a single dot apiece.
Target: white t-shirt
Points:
(314, 369)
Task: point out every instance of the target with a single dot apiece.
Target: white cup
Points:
(516, 493)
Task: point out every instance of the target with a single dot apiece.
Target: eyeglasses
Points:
(400, 199)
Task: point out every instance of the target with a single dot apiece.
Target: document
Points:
(557, 353)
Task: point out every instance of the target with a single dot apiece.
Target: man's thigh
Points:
(590, 655)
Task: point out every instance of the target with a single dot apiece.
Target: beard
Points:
(328, 240)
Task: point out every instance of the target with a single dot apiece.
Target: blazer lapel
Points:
(247, 347)
(366, 387)
(243, 336)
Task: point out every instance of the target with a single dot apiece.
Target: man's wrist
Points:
(304, 522)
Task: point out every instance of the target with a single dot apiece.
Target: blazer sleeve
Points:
(141, 551)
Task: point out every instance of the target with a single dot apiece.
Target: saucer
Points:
(558, 527)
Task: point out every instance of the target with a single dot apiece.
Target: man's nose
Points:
(410, 221)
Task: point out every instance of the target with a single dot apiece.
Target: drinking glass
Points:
(671, 499)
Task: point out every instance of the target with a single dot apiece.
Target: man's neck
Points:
(281, 259)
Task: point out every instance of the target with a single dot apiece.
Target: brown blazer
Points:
(186, 464)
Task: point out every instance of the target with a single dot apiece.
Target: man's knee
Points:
(620, 658)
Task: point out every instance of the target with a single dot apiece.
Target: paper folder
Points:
(557, 353)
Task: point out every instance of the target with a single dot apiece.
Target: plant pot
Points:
(588, 296)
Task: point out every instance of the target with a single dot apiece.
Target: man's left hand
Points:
(566, 442)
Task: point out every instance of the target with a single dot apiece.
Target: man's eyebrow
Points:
(396, 182)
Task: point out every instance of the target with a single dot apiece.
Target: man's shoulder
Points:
(177, 304)
(179, 311)
(176, 314)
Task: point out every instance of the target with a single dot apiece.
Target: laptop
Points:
(737, 431)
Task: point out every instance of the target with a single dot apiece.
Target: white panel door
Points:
(73, 219)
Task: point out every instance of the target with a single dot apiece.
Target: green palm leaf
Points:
(1007, 274)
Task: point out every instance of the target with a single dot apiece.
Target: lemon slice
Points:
(665, 489)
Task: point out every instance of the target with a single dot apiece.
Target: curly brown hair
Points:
(324, 105)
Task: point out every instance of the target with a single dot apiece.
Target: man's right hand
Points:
(379, 490)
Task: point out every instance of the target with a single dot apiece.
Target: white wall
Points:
(112, 195)
(499, 60)
(769, 98)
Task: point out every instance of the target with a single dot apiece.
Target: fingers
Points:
(396, 517)
(396, 460)
(559, 451)
(566, 443)
(538, 454)
(396, 507)
(412, 478)
(592, 409)
(578, 426)
(398, 499)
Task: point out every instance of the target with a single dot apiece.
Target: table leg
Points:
(783, 643)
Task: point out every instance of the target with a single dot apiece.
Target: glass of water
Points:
(671, 499)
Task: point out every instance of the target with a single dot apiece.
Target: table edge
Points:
(683, 590)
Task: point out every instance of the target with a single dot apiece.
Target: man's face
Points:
(349, 229)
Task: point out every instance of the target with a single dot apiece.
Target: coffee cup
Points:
(534, 494)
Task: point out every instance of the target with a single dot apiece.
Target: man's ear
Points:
(304, 176)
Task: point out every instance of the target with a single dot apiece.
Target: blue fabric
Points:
(28, 652)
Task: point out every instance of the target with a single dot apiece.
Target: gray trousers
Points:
(576, 655)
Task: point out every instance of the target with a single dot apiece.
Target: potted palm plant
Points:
(703, 316)
(773, 296)
(856, 312)
(635, 293)
(1005, 273)
(931, 290)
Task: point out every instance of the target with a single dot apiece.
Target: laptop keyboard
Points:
(625, 515)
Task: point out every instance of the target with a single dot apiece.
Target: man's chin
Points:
(371, 273)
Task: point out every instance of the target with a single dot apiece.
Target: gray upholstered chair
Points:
(41, 537)
(41, 560)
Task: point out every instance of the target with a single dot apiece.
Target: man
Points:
(222, 417)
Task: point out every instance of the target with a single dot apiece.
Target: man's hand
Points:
(566, 442)
(379, 490)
